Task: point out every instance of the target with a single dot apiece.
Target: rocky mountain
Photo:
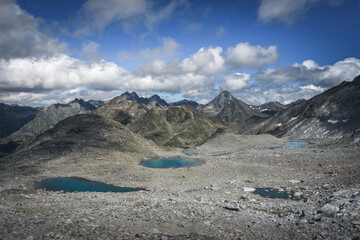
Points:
(271, 108)
(179, 126)
(96, 103)
(87, 132)
(122, 110)
(48, 117)
(331, 114)
(151, 102)
(214, 107)
(185, 102)
(13, 117)
(236, 111)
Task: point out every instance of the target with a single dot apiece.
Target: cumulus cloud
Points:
(168, 49)
(280, 93)
(309, 72)
(100, 14)
(288, 11)
(235, 81)
(243, 55)
(63, 73)
(20, 35)
(204, 61)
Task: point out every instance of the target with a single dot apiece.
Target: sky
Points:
(259, 50)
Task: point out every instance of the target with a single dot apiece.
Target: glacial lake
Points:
(75, 184)
(174, 162)
(296, 144)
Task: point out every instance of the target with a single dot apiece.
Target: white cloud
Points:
(235, 81)
(20, 35)
(205, 61)
(91, 50)
(309, 72)
(168, 49)
(27, 79)
(58, 72)
(243, 55)
(221, 31)
(100, 14)
(288, 11)
(312, 87)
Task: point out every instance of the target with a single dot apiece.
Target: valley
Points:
(215, 199)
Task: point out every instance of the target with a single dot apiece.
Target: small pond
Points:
(75, 184)
(275, 193)
(174, 162)
(296, 144)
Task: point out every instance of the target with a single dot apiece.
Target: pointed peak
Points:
(225, 95)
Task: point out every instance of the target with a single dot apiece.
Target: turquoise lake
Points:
(174, 162)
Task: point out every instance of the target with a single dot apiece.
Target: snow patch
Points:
(332, 121)
(278, 125)
(294, 118)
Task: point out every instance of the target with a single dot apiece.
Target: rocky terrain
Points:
(331, 114)
(319, 182)
(181, 126)
(211, 201)
(122, 110)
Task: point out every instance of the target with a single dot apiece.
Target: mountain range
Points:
(332, 114)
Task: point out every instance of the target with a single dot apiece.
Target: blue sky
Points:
(265, 50)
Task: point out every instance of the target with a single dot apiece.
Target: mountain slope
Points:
(12, 118)
(121, 110)
(328, 115)
(217, 104)
(185, 102)
(236, 111)
(182, 126)
(48, 117)
(86, 133)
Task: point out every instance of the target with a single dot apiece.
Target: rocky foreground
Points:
(210, 201)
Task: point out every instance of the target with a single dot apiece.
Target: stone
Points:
(329, 210)
(248, 189)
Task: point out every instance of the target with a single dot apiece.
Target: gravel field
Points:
(211, 201)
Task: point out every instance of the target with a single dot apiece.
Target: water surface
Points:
(296, 144)
(174, 162)
(75, 184)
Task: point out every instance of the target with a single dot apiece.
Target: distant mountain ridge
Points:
(13, 117)
(331, 114)
(185, 102)
(151, 102)
(50, 116)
